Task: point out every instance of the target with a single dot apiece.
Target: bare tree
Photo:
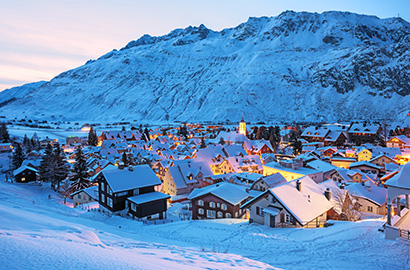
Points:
(344, 204)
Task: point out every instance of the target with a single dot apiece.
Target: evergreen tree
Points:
(203, 144)
(297, 147)
(124, 159)
(4, 134)
(17, 158)
(35, 142)
(92, 137)
(60, 171)
(222, 141)
(45, 169)
(80, 166)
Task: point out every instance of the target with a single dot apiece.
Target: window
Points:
(102, 186)
(109, 201)
(210, 214)
(369, 209)
(218, 205)
(79, 196)
(200, 202)
(109, 190)
(85, 198)
(212, 204)
(133, 207)
(103, 198)
(273, 199)
(200, 211)
(23, 179)
(223, 206)
(122, 194)
(228, 215)
(136, 191)
(288, 218)
(258, 210)
(236, 214)
(220, 215)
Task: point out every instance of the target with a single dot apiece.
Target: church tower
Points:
(242, 127)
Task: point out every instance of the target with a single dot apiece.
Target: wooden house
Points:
(25, 174)
(315, 134)
(361, 133)
(222, 200)
(116, 187)
(85, 196)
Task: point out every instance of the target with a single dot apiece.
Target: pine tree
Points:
(80, 166)
(60, 172)
(4, 134)
(203, 144)
(17, 158)
(35, 142)
(222, 141)
(125, 159)
(45, 169)
(92, 137)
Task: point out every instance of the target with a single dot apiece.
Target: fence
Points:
(404, 234)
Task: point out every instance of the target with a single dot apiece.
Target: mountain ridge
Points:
(293, 67)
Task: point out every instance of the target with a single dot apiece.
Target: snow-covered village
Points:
(211, 135)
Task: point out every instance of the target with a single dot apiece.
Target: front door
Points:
(272, 221)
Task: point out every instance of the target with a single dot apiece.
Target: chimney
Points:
(328, 194)
(342, 186)
(130, 168)
(298, 185)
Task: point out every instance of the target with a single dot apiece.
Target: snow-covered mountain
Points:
(296, 66)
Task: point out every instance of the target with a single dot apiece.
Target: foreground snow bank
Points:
(41, 233)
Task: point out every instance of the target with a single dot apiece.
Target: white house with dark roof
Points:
(298, 203)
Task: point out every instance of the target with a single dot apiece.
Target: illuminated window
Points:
(200, 202)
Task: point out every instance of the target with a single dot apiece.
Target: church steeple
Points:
(242, 127)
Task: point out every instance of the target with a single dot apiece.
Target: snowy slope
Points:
(296, 66)
(41, 233)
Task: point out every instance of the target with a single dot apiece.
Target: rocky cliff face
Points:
(296, 66)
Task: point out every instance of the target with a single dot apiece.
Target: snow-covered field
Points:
(41, 233)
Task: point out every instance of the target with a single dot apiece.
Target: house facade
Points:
(222, 200)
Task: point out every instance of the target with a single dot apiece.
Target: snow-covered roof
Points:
(90, 191)
(364, 163)
(375, 194)
(306, 204)
(186, 172)
(140, 176)
(362, 128)
(231, 136)
(401, 179)
(274, 179)
(234, 150)
(23, 168)
(231, 193)
(333, 135)
(321, 165)
(250, 162)
(315, 132)
(148, 197)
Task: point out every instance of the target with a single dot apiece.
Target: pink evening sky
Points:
(40, 39)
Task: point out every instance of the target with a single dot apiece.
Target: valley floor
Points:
(41, 233)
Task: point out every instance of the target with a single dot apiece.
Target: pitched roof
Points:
(401, 179)
(148, 197)
(231, 193)
(23, 168)
(315, 132)
(140, 176)
(375, 194)
(361, 128)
